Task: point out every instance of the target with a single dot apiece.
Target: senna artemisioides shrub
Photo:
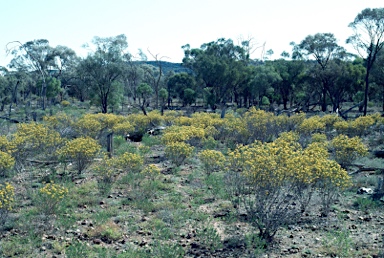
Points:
(80, 151)
(264, 179)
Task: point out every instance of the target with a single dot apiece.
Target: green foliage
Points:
(338, 243)
(265, 101)
(255, 244)
(165, 250)
(209, 238)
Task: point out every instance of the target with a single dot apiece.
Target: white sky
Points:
(164, 26)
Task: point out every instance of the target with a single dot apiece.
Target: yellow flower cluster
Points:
(106, 168)
(151, 170)
(346, 149)
(203, 120)
(155, 118)
(53, 191)
(312, 125)
(170, 116)
(283, 161)
(7, 194)
(65, 103)
(6, 145)
(81, 151)
(123, 128)
(329, 120)
(87, 126)
(6, 161)
(319, 137)
(357, 127)
(57, 121)
(140, 122)
(130, 161)
(183, 121)
(177, 152)
(84, 146)
(35, 136)
(212, 160)
(361, 124)
(182, 134)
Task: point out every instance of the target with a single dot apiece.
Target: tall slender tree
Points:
(368, 40)
(104, 68)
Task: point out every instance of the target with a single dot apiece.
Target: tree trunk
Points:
(110, 145)
(365, 105)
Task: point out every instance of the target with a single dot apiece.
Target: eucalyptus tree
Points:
(42, 61)
(377, 75)
(103, 68)
(290, 72)
(346, 79)
(132, 77)
(217, 64)
(34, 57)
(368, 40)
(144, 91)
(264, 79)
(323, 48)
(178, 83)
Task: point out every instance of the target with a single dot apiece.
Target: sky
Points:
(164, 26)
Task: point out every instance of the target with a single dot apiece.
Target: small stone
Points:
(97, 241)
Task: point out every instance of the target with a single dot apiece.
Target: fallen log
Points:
(10, 119)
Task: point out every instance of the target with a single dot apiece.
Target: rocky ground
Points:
(186, 215)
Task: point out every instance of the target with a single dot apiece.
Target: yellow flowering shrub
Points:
(346, 150)
(183, 121)
(212, 160)
(60, 122)
(329, 120)
(155, 117)
(319, 137)
(65, 103)
(258, 124)
(7, 195)
(5, 145)
(34, 139)
(312, 125)
(190, 134)
(123, 128)
(140, 122)
(169, 117)
(177, 152)
(130, 162)
(50, 196)
(81, 151)
(342, 127)
(106, 171)
(6, 162)
(204, 120)
(151, 171)
(264, 178)
(360, 125)
(233, 130)
(94, 125)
